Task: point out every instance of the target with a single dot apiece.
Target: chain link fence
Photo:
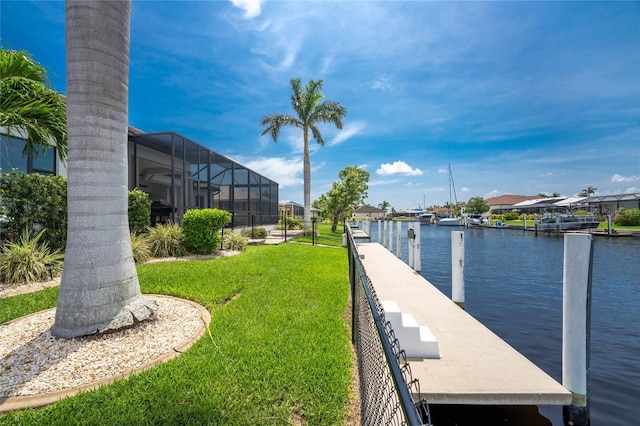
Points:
(386, 383)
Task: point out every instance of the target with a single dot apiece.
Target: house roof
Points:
(612, 198)
(368, 209)
(440, 210)
(570, 201)
(509, 199)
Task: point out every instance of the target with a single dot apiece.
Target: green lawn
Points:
(531, 225)
(279, 346)
(325, 236)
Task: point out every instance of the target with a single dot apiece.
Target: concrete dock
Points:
(477, 367)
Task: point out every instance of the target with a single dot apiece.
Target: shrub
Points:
(201, 229)
(141, 247)
(257, 233)
(235, 241)
(581, 213)
(26, 260)
(630, 217)
(511, 216)
(166, 240)
(292, 223)
(139, 211)
(35, 202)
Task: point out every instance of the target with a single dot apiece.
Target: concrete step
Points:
(416, 340)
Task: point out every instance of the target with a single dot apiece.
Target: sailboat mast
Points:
(450, 180)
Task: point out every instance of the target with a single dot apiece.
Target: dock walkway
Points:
(477, 367)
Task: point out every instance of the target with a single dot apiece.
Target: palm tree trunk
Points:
(307, 181)
(99, 289)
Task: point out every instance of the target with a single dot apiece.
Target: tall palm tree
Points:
(310, 111)
(29, 107)
(99, 290)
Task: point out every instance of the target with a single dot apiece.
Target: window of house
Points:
(11, 158)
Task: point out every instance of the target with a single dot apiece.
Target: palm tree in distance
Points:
(99, 290)
(310, 111)
(384, 206)
(29, 108)
(588, 191)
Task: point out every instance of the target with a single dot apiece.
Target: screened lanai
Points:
(179, 174)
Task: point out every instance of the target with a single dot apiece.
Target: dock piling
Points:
(417, 258)
(576, 324)
(399, 239)
(410, 243)
(457, 267)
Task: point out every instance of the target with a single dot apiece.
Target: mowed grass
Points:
(278, 350)
(325, 236)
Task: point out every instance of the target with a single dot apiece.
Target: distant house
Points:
(613, 203)
(600, 204)
(440, 212)
(504, 203)
(368, 212)
(290, 209)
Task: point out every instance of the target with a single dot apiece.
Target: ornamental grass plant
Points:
(141, 248)
(166, 240)
(277, 352)
(26, 259)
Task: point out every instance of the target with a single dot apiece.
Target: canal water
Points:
(513, 285)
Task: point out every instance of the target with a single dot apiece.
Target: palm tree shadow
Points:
(22, 367)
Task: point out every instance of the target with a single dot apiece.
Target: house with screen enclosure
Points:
(177, 173)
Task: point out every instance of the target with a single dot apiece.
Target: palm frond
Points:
(35, 111)
(19, 64)
(329, 112)
(275, 122)
(315, 131)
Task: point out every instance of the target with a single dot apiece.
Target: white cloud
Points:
(383, 83)
(619, 178)
(443, 171)
(383, 182)
(465, 189)
(285, 171)
(251, 8)
(631, 190)
(398, 168)
(346, 133)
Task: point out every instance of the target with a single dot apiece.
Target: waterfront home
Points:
(177, 173)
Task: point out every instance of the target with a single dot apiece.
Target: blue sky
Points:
(519, 97)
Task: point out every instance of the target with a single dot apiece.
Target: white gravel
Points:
(32, 362)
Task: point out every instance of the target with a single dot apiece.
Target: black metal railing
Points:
(387, 387)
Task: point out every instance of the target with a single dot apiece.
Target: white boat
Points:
(425, 218)
(474, 220)
(567, 223)
(450, 221)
